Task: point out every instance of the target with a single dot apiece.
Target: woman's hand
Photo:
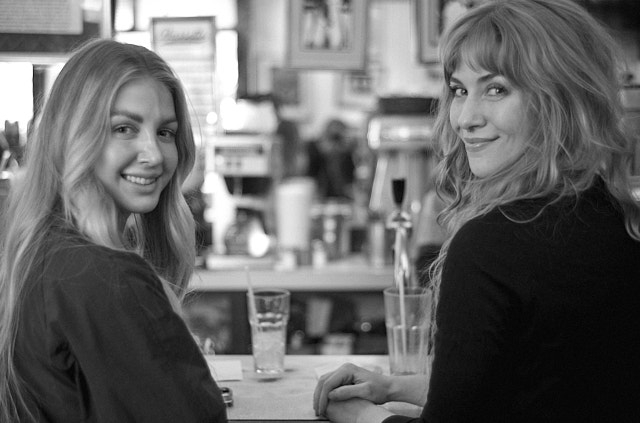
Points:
(355, 410)
(350, 381)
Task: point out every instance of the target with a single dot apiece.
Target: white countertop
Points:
(290, 399)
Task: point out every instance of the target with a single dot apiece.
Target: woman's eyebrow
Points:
(482, 79)
(139, 119)
(133, 116)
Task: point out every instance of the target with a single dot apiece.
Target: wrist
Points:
(412, 389)
(395, 389)
(373, 414)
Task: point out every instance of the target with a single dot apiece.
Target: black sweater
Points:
(98, 341)
(539, 321)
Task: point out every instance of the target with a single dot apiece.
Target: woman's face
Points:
(488, 114)
(140, 156)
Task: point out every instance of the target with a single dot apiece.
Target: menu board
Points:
(188, 45)
(51, 27)
(41, 17)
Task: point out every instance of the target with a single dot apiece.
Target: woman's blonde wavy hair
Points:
(569, 69)
(58, 186)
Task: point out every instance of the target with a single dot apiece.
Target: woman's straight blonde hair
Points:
(58, 187)
(568, 67)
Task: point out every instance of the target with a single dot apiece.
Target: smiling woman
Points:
(536, 283)
(140, 156)
(98, 250)
(488, 114)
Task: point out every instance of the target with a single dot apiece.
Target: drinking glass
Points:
(408, 321)
(268, 316)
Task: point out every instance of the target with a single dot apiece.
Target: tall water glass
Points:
(408, 321)
(268, 310)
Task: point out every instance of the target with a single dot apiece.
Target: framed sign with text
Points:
(428, 26)
(188, 44)
(46, 31)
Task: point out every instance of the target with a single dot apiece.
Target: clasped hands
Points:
(351, 394)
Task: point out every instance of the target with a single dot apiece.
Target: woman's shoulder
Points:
(493, 224)
(68, 245)
(544, 219)
(70, 260)
(484, 239)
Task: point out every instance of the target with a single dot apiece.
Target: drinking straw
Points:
(399, 279)
(252, 299)
(403, 317)
(398, 191)
(6, 155)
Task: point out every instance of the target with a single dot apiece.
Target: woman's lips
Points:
(477, 144)
(138, 180)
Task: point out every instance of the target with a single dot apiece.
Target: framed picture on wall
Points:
(327, 34)
(433, 17)
(359, 89)
(45, 31)
(428, 26)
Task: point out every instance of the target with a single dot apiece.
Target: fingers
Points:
(317, 396)
(327, 383)
(347, 392)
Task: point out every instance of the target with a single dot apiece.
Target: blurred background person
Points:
(331, 162)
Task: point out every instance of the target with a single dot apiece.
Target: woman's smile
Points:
(488, 114)
(138, 180)
(141, 156)
(474, 145)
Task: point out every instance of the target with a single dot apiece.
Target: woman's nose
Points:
(471, 114)
(149, 152)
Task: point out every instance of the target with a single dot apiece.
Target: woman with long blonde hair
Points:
(538, 282)
(97, 251)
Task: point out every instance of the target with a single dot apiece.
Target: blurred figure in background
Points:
(293, 160)
(331, 162)
(11, 149)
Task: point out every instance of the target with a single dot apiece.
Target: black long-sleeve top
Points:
(98, 341)
(539, 321)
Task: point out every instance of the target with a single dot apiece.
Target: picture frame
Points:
(327, 35)
(433, 18)
(428, 25)
(44, 32)
(358, 89)
(188, 45)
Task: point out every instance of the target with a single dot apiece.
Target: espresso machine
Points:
(243, 167)
(401, 136)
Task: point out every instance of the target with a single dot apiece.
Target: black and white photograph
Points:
(297, 211)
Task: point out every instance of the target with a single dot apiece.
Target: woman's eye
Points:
(496, 90)
(457, 91)
(167, 134)
(123, 130)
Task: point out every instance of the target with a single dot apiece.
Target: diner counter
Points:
(339, 296)
(352, 274)
(290, 398)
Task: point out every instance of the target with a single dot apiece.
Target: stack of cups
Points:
(293, 199)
